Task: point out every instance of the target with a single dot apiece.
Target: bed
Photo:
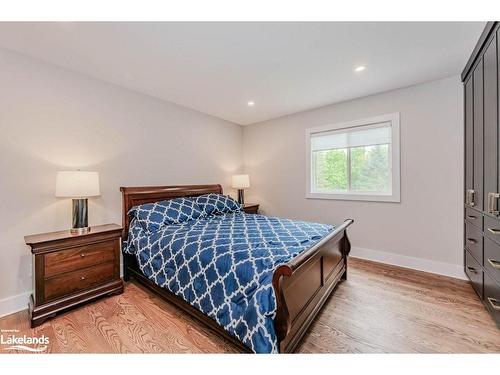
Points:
(294, 267)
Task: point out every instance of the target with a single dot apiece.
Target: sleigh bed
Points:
(301, 285)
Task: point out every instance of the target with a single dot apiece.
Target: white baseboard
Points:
(420, 264)
(11, 305)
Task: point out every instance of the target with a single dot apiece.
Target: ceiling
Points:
(216, 68)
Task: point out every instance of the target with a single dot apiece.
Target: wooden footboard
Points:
(303, 285)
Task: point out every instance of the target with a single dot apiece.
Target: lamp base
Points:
(241, 196)
(80, 222)
(79, 231)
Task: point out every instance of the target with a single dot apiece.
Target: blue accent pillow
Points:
(212, 204)
(152, 216)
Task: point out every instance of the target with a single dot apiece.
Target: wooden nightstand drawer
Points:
(80, 257)
(71, 282)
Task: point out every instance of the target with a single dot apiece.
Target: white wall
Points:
(424, 231)
(52, 119)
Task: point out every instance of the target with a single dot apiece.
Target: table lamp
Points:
(241, 182)
(78, 185)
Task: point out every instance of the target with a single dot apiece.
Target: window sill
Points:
(394, 198)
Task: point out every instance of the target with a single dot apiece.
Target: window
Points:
(358, 160)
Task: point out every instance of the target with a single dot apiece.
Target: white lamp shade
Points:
(77, 184)
(241, 181)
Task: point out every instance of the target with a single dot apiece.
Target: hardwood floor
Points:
(379, 309)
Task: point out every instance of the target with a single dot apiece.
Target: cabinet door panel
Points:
(469, 137)
(490, 122)
(478, 135)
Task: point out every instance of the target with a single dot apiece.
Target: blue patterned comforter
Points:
(223, 265)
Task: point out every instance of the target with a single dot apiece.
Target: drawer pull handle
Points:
(472, 217)
(494, 231)
(492, 203)
(471, 240)
(83, 277)
(494, 303)
(82, 255)
(470, 197)
(471, 269)
(494, 263)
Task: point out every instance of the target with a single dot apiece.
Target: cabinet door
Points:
(469, 139)
(490, 123)
(478, 135)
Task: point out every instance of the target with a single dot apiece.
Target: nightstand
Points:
(251, 208)
(71, 269)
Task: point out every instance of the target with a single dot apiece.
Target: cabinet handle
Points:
(82, 255)
(472, 217)
(494, 303)
(471, 240)
(83, 277)
(471, 269)
(471, 197)
(494, 263)
(494, 231)
(492, 206)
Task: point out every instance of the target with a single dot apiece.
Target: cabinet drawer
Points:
(492, 258)
(79, 257)
(70, 282)
(474, 272)
(492, 228)
(474, 242)
(492, 297)
(474, 217)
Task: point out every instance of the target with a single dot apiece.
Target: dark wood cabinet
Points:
(71, 269)
(481, 176)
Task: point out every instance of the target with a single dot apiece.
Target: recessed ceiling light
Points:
(250, 103)
(359, 68)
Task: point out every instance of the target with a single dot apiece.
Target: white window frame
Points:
(395, 195)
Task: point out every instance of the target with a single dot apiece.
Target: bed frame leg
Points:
(344, 275)
(346, 249)
(126, 265)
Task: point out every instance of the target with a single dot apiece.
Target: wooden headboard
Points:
(133, 196)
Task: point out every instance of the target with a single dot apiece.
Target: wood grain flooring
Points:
(379, 309)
